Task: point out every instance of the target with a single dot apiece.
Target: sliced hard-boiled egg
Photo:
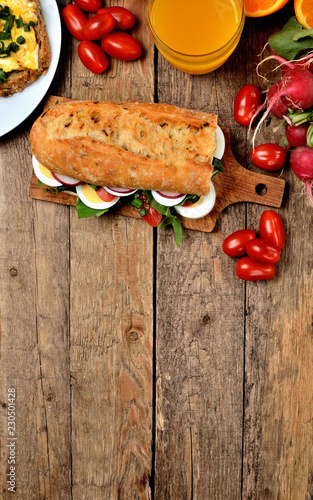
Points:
(167, 198)
(90, 198)
(220, 143)
(199, 209)
(121, 191)
(44, 175)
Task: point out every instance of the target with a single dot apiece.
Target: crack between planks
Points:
(39, 355)
(154, 304)
(69, 354)
(244, 371)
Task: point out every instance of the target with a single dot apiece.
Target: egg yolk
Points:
(91, 194)
(27, 54)
(45, 171)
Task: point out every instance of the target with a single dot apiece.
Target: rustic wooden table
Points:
(142, 370)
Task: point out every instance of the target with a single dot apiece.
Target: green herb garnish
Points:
(19, 22)
(20, 40)
(3, 76)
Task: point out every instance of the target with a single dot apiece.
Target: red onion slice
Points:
(65, 180)
(168, 194)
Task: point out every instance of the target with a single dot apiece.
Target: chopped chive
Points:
(26, 27)
(19, 22)
(143, 212)
(20, 40)
(4, 36)
(32, 24)
(13, 47)
(3, 76)
(137, 202)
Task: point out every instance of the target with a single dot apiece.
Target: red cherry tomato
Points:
(92, 56)
(88, 5)
(263, 251)
(105, 195)
(121, 46)
(74, 19)
(272, 229)
(125, 19)
(250, 270)
(235, 244)
(153, 218)
(98, 26)
(268, 156)
(246, 103)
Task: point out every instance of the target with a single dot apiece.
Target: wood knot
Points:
(13, 272)
(4, 405)
(206, 319)
(132, 335)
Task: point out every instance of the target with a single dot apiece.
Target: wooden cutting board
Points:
(235, 184)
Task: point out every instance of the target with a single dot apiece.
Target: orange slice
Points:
(260, 8)
(304, 12)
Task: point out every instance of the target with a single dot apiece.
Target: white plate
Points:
(16, 108)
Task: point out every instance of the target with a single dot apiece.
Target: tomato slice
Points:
(250, 270)
(235, 244)
(105, 195)
(271, 228)
(263, 251)
(98, 26)
(153, 218)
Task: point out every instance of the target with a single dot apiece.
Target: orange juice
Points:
(197, 36)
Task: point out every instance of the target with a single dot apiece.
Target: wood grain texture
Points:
(111, 317)
(34, 333)
(199, 344)
(278, 403)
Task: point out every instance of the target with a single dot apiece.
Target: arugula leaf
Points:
(291, 39)
(172, 220)
(83, 211)
(41, 184)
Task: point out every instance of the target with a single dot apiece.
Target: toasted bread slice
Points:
(17, 80)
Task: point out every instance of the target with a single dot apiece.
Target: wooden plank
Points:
(111, 318)
(200, 329)
(34, 331)
(278, 460)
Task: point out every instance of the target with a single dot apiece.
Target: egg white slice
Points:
(168, 201)
(220, 143)
(201, 208)
(90, 198)
(44, 175)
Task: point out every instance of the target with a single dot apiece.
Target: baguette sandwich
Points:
(24, 45)
(159, 154)
(128, 144)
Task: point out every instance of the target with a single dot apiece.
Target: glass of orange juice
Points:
(196, 36)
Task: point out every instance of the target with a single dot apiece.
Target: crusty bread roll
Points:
(128, 144)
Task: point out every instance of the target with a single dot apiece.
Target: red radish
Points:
(121, 191)
(296, 136)
(301, 162)
(294, 91)
(67, 181)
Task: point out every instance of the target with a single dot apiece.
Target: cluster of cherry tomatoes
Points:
(258, 255)
(269, 156)
(102, 34)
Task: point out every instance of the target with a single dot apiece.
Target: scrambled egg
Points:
(26, 55)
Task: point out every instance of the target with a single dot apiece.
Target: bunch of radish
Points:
(291, 99)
